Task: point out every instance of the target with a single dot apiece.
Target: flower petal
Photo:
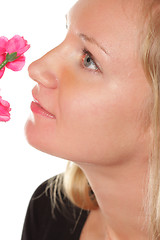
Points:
(4, 103)
(14, 44)
(23, 50)
(4, 118)
(17, 44)
(16, 65)
(3, 44)
(2, 57)
(4, 110)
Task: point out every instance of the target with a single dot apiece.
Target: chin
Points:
(36, 134)
(38, 138)
(30, 134)
(33, 139)
(33, 134)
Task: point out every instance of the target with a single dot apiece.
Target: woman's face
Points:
(93, 87)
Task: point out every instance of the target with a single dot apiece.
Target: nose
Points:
(43, 71)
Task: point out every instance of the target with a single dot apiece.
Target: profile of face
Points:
(91, 97)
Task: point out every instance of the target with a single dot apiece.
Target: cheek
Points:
(98, 124)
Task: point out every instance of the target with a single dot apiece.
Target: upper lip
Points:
(37, 100)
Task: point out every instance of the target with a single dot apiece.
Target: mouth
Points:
(38, 109)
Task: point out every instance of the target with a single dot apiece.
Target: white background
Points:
(22, 168)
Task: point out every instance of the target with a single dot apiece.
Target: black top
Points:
(41, 225)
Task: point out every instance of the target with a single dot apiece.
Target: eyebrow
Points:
(93, 41)
(87, 38)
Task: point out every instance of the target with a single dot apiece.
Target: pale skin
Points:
(101, 110)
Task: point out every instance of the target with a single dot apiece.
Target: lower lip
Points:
(36, 108)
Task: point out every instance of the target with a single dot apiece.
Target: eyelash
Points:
(85, 52)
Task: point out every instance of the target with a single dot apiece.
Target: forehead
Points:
(107, 20)
(110, 9)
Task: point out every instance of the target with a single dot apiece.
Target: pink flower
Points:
(4, 110)
(16, 44)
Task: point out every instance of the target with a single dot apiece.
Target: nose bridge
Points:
(45, 69)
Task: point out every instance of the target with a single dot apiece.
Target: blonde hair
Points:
(77, 188)
(74, 182)
(151, 63)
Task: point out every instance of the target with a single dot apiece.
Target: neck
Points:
(120, 193)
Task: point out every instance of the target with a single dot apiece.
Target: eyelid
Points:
(85, 51)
